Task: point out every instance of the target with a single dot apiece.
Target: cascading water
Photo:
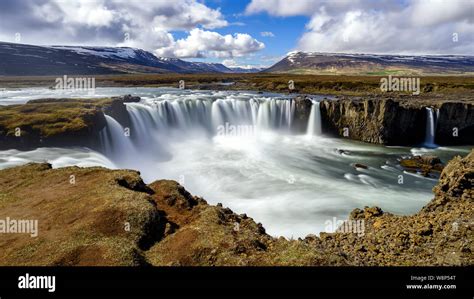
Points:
(115, 142)
(290, 183)
(157, 122)
(178, 138)
(314, 122)
(431, 118)
(152, 118)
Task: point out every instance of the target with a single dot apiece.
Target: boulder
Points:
(426, 165)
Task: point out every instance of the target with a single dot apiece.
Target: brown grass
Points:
(326, 84)
(50, 117)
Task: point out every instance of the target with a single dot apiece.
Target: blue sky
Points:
(361, 26)
(245, 33)
(286, 31)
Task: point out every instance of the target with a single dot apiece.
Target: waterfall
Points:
(431, 119)
(207, 115)
(154, 122)
(314, 122)
(114, 141)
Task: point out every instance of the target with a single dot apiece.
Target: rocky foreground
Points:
(96, 216)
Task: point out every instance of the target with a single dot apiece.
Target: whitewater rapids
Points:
(292, 183)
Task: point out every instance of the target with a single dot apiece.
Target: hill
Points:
(369, 64)
(30, 60)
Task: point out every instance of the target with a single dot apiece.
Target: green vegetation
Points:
(308, 83)
(50, 117)
(391, 72)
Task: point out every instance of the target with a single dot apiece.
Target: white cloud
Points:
(186, 14)
(147, 25)
(160, 14)
(281, 7)
(267, 34)
(90, 13)
(285, 8)
(434, 12)
(232, 63)
(202, 43)
(411, 27)
(229, 62)
(149, 39)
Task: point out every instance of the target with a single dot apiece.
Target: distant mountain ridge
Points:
(30, 60)
(372, 64)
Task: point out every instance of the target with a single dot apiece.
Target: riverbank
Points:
(449, 87)
(383, 120)
(95, 216)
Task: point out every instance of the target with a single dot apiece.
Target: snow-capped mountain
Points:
(336, 63)
(22, 60)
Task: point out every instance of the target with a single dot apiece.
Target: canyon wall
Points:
(392, 122)
(455, 124)
(74, 122)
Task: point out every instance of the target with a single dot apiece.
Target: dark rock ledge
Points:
(59, 122)
(398, 121)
